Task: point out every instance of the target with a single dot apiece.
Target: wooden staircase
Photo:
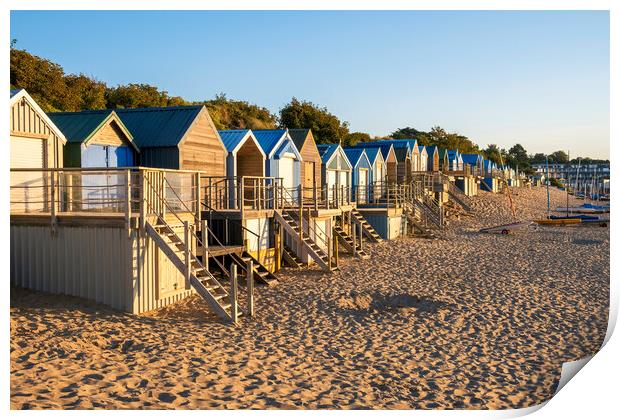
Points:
(290, 258)
(200, 279)
(367, 228)
(417, 226)
(260, 272)
(458, 196)
(292, 226)
(347, 242)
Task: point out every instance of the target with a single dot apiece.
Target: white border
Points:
(593, 394)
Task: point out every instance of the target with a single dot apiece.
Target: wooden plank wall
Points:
(110, 135)
(26, 122)
(310, 154)
(202, 148)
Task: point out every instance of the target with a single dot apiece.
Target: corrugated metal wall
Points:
(159, 157)
(102, 264)
(88, 262)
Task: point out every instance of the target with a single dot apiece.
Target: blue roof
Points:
(159, 127)
(470, 158)
(353, 155)
(373, 153)
(422, 148)
(268, 139)
(431, 149)
(326, 151)
(453, 154)
(232, 138)
(398, 144)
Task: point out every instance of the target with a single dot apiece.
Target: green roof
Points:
(159, 127)
(80, 126)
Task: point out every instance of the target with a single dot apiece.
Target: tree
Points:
(325, 126)
(494, 153)
(538, 158)
(518, 158)
(353, 138)
(84, 93)
(43, 79)
(228, 114)
(558, 157)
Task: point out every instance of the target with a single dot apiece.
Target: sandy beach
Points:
(468, 320)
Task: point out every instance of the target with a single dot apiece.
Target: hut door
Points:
(308, 180)
(331, 183)
(30, 194)
(362, 189)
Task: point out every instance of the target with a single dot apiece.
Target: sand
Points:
(468, 320)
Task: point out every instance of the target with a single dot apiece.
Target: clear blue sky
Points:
(538, 78)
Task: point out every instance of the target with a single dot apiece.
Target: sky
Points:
(538, 78)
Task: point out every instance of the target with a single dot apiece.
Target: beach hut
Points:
(283, 158)
(444, 161)
(455, 160)
(179, 137)
(336, 170)
(379, 172)
(245, 159)
(475, 162)
(96, 139)
(361, 173)
(423, 159)
(433, 158)
(402, 152)
(311, 167)
(36, 142)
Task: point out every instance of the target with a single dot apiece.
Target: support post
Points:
(53, 200)
(188, 270)
(198, 201)
(276, 246)
(336, 256)
(354, 234)
(329, 252)
(233, 293)
(142, 201)
(128, 201)
(250, 287)
(204, 238)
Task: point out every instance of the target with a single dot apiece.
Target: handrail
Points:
(164, 201)
(310, 228)
(209, 208)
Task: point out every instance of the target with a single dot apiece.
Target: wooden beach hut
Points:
(180, 137)
(336, 170)
(35, 142)
(310, 173)
(423, 159)
(360, 174)
(245, 164)
(379, 173)
(433, 158)
(444, 162)
(96, 139)
(402, 151)
(475, 162)
(283, 159)
(455, 160)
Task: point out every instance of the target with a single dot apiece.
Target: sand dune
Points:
(468, 320)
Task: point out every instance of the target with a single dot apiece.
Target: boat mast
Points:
(548, 197)
(566, 186)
